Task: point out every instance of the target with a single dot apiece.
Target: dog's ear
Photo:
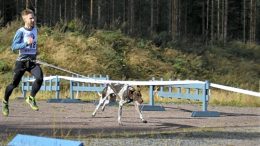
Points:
(131, 88)
(138, 88)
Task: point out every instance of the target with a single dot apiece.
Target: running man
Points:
(25, 40)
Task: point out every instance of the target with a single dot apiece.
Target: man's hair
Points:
(26, 12)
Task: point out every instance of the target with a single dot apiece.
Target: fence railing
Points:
(194, 91)
(49, 84)
(87, 87)
(52, 83)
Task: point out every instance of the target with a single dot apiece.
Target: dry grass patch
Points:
(219, 97)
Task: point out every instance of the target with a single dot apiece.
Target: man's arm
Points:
(17, 41)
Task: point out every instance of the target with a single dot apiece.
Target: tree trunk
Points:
(126, 17)
(140, 19)
(108, 8)
(60, 14)
(22, 4)
(252, 20)
(170, 16)
(82, 10)
(207, 23)
(185, 18)
(44, 12)
(75, 9)
(222, 19)
(178, 19)
(151, 24)
(124, 11)
(55, 12)
(244, 21)
(225, 22)
(2, 15)
(174, 19)
(27, 4)
(35, 11)
(203, 19)
(131, 16)
(157, 15)
(17, 8)
(218, 20)
(113, 12)
(99, 13)
(212, 21)
(65, 10)
(91, 13)
(50, 12)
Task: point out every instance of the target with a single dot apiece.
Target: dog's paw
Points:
(120, 123)
(93, 115)
(144, 121)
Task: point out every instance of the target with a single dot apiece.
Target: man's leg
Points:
(18, 73)
(37, 73)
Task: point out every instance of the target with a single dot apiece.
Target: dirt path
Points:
(74, 120)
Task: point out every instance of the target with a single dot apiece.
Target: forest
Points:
(204, 21)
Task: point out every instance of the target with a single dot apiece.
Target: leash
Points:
(58, 68)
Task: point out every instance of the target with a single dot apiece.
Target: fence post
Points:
(78, 84)
(28, 84)
(152, 106)
(205, 112)
(205, 96)
(151, 101)
(23, 90)
(44, 85)
(57, 87)
(71, 90)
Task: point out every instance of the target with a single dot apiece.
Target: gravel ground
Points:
(175, 126)
(171, 142)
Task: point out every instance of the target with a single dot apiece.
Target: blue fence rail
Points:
(47, 85)
(54, 85)
(87, 87)
(194, 91)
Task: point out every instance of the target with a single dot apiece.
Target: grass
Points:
(8, 138)
(225, 98)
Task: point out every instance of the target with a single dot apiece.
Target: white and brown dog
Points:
(125, 93)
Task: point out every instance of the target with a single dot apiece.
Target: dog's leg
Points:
(101, 101)
(139, 112)
(106, 102)
(119, 114)
(121, 103)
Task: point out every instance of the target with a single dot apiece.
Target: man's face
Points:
(29, 20)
